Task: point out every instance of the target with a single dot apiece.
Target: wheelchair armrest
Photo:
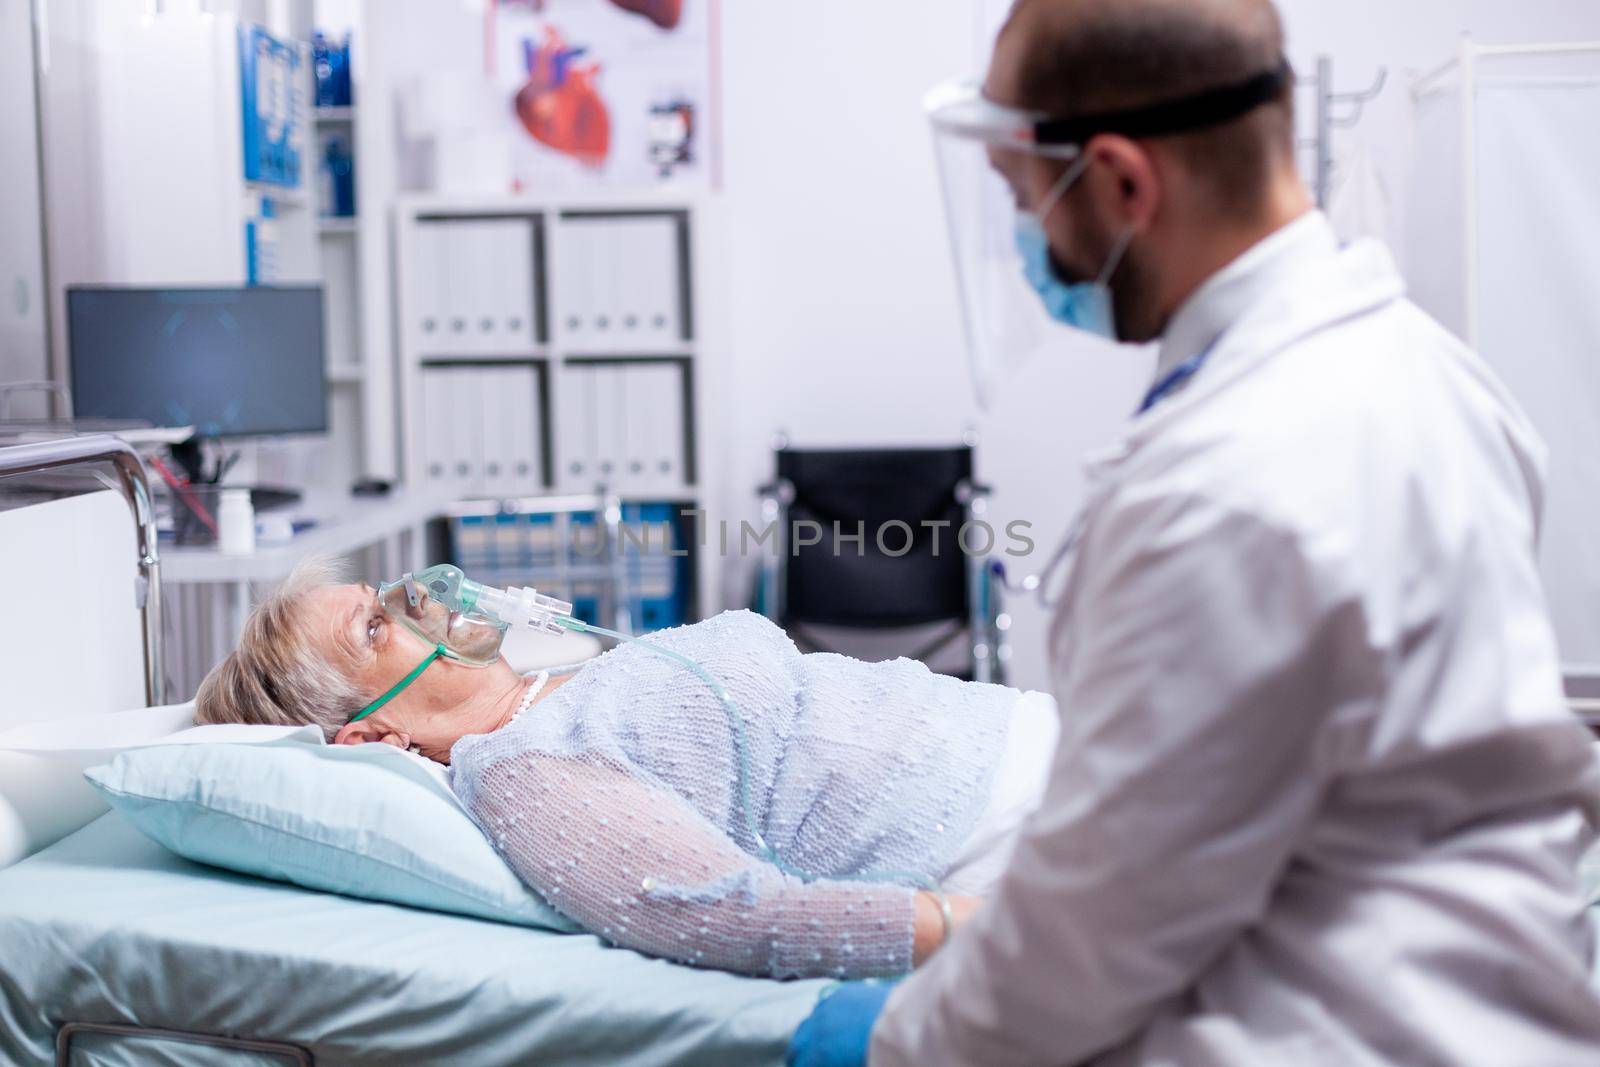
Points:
(780, 491)
(969, 491)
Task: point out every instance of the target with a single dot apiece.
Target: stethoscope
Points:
(1042, 584)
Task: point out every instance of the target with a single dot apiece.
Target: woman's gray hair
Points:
(281, 674)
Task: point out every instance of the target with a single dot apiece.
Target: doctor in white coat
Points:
(1318, 798)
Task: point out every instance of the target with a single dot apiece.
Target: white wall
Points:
(838, 296)
(22, 292)
(844, 324)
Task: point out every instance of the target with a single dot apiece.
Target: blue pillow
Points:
(362, 820)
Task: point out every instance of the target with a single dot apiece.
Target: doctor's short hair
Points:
(1070, 58)
(280, 674)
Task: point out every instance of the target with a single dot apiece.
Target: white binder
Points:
(606, 284)
(635, 274)
(435, 436)
(488, 299)
(574, 284)
(476, 292)
(467, 428)
(608, 415)
(523, 476)
(576, 423)
(512, 274)
(666, 458)
(517, 392)
(451, 262)
(633, 388)
(497, 441)
(427, 280)
(656, 246)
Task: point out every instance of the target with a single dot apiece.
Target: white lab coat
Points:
(1318, 799)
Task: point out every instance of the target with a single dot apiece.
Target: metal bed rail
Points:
(103, 450)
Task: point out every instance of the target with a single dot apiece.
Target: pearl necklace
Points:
(530, 694)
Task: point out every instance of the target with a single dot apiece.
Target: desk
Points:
(211, 593)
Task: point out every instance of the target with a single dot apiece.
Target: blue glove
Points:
(837, 1031)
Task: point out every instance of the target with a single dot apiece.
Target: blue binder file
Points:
(271, 98)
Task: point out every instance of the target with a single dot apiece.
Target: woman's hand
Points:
(929, 931)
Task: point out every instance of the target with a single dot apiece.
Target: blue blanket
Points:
(106, 926)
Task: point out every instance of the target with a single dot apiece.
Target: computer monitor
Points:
(229, 362)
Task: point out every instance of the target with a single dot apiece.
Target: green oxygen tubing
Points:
(466, 622)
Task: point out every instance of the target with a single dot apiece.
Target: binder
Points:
(655, 247)
(474, 542)
(658, 580)
(427, 323)
(655, 252)
(633, 387)
(605, 289)
(607, 420)
(520, 430)
(673, 285)
(479, 283)
(512, 272)
(629, 431)
(575, 265)
(632, 274)
(437, 456)
(576, 451)
(452, 292)
(666, 460)
(466, 397)
(498, 434)
(611, 284)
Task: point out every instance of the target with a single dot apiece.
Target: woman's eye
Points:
(373, 626)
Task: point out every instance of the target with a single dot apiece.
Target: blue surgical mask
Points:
(1085, 306)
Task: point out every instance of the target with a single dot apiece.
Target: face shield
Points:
(987, 162)
(1002, 170)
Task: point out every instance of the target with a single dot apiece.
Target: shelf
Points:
(335, 114)
(346, 374)
(289, 197)
(579, 358)
(338, 224)
(524, 356)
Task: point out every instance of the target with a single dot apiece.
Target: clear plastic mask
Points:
(438, 605)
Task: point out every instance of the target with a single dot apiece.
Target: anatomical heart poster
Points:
(612, 92)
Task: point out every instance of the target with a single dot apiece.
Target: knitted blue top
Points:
(616, 797)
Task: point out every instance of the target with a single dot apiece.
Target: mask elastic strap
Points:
(1118, 250)
(1059, 189)
(416, 672)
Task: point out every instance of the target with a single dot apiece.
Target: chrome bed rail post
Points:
(104, 449)
(290, 1054)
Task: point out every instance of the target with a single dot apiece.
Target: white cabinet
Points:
(586, 306)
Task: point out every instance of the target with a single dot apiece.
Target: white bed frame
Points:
(82, 633)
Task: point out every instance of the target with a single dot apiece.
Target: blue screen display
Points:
(229, 362)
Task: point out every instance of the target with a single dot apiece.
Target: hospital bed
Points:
(114, 951)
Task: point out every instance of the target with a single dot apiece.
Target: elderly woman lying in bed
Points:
(614, 791)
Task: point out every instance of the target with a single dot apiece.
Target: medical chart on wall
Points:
(611, 92)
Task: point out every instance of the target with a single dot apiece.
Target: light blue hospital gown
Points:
(616, 798)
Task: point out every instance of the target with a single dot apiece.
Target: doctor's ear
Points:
(1125, 179)
(360, 733)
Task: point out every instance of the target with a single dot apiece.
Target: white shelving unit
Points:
(600, 323)
(356, 251)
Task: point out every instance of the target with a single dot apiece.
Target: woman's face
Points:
(378, 652)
